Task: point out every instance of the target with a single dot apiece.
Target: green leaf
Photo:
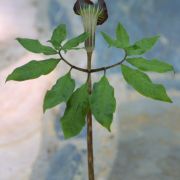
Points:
(109, 40)
(35, 46)
(73, 120)
(143, 84)
(72, 43)
(142, 46)
(122, 36)
(59, 35)
(134, 50)
(60, 92)
(33, 69)
(153, 65)
(103, 103)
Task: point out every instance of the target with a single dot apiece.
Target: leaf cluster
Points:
(135, 72)
(101, 102)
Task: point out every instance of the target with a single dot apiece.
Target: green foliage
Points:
(111, 42)
(59, 35)
(35, 46)
(122, 36)
(85, 101)
(142, 46)
(103, 103)
(143, 84)
(122, 41)
(73, 43)
(60, 92)
(73, 120)
(153, 65)
(33, 69)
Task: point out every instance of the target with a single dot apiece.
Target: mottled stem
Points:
(90, 157)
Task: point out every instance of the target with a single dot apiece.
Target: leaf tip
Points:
(67, 135)
(6, 81)
(156, 38)
(119, 25)
(8, 78)
(169, 100)
(109, 128)
(18, 39)
(44, 109)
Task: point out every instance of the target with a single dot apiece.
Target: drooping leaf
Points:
(103, 103)
(122, 36)
(60, 92)
(153, 65)
(142, 46)
(35, 46)
(143, 84)
(33, 69)
(72, 43)
(59, 35)
(73, 119)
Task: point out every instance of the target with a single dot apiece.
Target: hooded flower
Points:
(103, 16)
(92, 15)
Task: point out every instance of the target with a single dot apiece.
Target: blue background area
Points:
(141, 18)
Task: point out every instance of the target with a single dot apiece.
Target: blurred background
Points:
(145, 139)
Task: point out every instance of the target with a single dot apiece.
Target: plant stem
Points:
(90, 157)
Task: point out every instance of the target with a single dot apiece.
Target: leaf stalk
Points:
(105, 68)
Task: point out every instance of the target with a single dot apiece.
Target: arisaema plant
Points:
(91, 99)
